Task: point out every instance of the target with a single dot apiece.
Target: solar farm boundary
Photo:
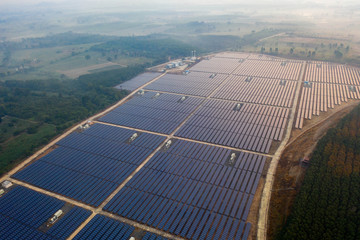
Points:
(186, 139)
(266, 194)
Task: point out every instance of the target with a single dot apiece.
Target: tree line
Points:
(328, 204)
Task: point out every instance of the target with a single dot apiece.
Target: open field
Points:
(74, 73)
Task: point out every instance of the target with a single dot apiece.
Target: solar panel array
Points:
(217, 65)
(325, 86)
(152, 236)
(193, 190)
(194, 83)
(101, 227)
(270, 69)
(161, 113)
(23, 212)
(138, 81)
(89, 166)
(252, 127)
(188, 189)
(265, 91)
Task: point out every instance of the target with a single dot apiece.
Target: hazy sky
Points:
(28, 2)
(174, 4)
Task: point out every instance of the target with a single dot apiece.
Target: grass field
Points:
(71, 61)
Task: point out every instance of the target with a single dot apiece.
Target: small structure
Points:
(156, 95)
(307, 84)
(133, 137)
(238, 106)
(283, 63)
(248, 79)
(318, 65)
(305, 161)
(168, 144)
(352, 88)
(141, 92)
(182, 99)
(212, 75)
(282, 82)
(55, 217)
(85, 126)
(6, 184)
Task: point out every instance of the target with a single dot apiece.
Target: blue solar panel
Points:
(159, 114)
(182, 190)
(23, 211)
(138, 81)
(88, 166)
(101, 227)
(194, 83)
(252, 127)
(153, 236)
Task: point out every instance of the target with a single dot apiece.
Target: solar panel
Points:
(217, 65)
(161, 114)
(270, 69)
(88, 166)
(259, 90)
(252, 127)
(188, 188)
(138, 81)
(101, 227)
(24, 214)
(194, 83)
(152, 236)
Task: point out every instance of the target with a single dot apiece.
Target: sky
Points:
(197, 2)
(172, 4)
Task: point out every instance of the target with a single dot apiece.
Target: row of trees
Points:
(328, 205)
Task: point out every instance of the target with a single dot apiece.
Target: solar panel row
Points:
(252, 127)
(217, 65)
(194, 83)
(88, 167)
(274, 92)
(138, 81)
(325, 86)
(101, 227)
(270, 69)
(23, 211)
(329, 73)
(188, 190)
(152, 236)
(159, 113)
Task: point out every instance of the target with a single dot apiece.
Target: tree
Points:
(338, 54)
(87, 57)
(291, 50)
